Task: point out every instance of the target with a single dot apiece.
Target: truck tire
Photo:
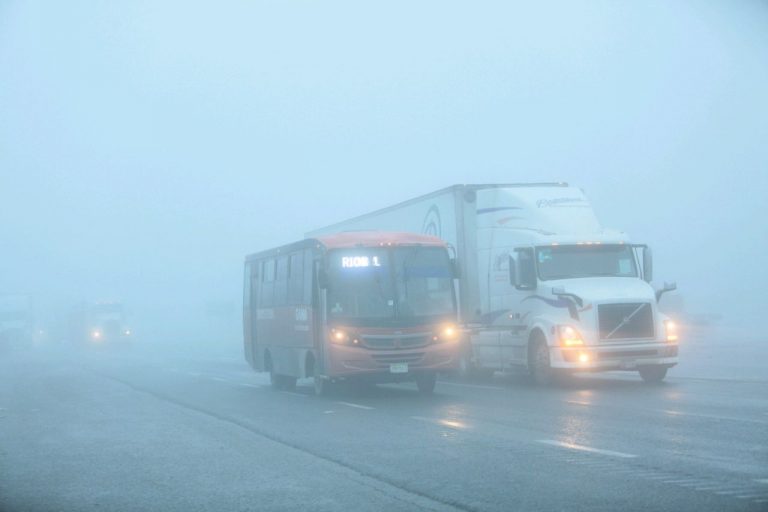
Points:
(652, 374)
(426, 383)
(539, 367)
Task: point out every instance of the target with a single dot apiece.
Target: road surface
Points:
(175, 430)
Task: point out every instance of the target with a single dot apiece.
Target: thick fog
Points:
(147, 147)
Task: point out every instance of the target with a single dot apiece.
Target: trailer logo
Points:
(432, 224)
(561, 201)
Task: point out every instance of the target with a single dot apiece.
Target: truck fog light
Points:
(583, 357)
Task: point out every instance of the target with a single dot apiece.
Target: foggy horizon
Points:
(146, 149)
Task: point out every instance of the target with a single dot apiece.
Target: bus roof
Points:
(350, 239)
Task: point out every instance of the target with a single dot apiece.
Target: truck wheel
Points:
(653, 374)
(426, 383)
(539, 366)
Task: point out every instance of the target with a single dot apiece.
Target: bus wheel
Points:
(426, 383)
(538, 363)
(274, 379)
(652, 374)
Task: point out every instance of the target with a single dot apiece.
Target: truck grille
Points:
(625, 321)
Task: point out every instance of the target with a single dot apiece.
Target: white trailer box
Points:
(542, 285)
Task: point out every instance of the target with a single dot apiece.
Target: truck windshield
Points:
(399, 286)
(572, 261)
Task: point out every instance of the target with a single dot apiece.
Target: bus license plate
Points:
(398, 368)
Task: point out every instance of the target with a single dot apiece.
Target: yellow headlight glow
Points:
(570, 337)
(670, 329)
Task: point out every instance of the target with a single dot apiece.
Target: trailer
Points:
(543, 287)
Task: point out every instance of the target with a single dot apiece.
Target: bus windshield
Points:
(572, 261)
(402, 285)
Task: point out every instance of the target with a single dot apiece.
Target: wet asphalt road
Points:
(135, 429)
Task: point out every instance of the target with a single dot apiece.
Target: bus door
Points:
(319, 312)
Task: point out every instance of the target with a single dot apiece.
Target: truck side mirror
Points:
(647, 265)
(455, 268)
(322, 278)
(525, 270)
(668, 287)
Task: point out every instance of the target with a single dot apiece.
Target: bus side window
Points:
(281, 282)
(267, 284)
(308, 262)
(296, 278)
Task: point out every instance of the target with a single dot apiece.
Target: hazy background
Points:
(146, 147)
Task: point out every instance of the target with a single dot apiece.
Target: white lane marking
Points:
(758, 480)
(476, 386)
(327, 412)
(750, 495)
(194, 374)
(670, 412)
(589, 449)
(357, 406)
(219, 379)
(577, 402)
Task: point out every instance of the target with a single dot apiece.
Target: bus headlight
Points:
(342, 337)
(670, 330)
(570, 337)
(446, 333)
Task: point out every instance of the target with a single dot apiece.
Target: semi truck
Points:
(100, 323)
(543, 287)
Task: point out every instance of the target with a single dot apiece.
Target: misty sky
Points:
(146, 147)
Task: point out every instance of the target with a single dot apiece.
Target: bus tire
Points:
(652, 374)
(539, 367)
(425, 382)
(274, 379)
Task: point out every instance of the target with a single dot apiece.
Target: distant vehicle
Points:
(543, 286)
(375, 307)
(17, 321)
(100, 323)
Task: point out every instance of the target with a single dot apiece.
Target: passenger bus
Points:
(356, 306)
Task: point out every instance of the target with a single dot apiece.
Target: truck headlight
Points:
(670, 331)
(570, 337)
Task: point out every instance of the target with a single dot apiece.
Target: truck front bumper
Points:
(614, 357)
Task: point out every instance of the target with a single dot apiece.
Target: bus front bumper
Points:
(392, 365)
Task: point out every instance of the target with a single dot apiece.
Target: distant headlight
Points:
(96, 334)
(670, 330)
(127, 332)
